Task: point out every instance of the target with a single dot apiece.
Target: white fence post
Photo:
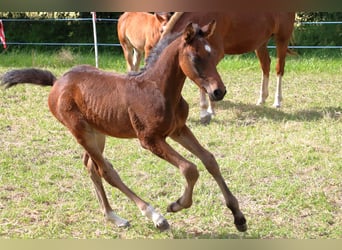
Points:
(95, 39)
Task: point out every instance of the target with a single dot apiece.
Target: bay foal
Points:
(147, 105)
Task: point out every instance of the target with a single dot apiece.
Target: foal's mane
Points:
(156, 52)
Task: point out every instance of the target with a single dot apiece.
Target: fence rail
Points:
(118, 45)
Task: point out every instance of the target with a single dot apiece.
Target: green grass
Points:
(284, 165)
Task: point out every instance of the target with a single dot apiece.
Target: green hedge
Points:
(318, 34)
(81, 31)
(58, 31)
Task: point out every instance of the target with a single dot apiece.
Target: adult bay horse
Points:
(138, 33)
(147, 105)
(242, 32)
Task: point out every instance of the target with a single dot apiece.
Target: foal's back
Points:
(102, 100)
(91, 97)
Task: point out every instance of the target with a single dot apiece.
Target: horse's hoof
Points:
(261, 101)
(118, 221)
(241, 224)
(163, 225)
(124, 224)
(276, 105)
(241, 228)
(205, 120)
(174, 207)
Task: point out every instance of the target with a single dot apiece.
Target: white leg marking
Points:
(156, 217)
(135, 57)
(263, 90)
(206, 112)
(278, 94)
(211, 109)
(112, 217)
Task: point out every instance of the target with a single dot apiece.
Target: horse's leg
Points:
(265, 62)
(137, 55)
(98, 141)
(280, 65)
(206, 107)
(101, 195)
(186, 138)
(161, 148)
(128, 53)
(92, 143)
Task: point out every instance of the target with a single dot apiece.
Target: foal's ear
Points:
(189, 33)
(161, 17)
(209, 29)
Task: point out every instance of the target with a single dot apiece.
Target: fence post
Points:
(95, 39)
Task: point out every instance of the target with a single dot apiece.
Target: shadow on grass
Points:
(183, 234)
(247, 114)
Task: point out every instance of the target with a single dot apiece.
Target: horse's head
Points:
(162, 18)
(198, 62)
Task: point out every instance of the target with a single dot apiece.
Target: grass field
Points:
(284, 165)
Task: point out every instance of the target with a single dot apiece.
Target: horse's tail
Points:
(29, 75)
(291, 52)
(292, 41)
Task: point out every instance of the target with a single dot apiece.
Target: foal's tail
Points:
(29, 75)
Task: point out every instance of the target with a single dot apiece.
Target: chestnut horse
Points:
(147, 105)
(242, 32)
(138, 33)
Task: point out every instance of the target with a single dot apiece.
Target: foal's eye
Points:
(197, 63)
(195, 59)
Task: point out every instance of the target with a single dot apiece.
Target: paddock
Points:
(283, 165)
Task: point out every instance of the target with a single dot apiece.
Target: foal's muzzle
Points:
(217, 95)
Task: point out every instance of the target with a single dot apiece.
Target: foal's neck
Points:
(167, 73)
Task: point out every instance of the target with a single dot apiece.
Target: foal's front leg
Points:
(186, 138)
(189, 170)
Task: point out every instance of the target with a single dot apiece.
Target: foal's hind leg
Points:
(101, 195)
(265, 62)
(93, 143)
(128, 53)
(137, 56)
(188, 140)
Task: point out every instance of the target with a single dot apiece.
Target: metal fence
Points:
(118, 45)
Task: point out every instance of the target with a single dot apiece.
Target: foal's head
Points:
(198, 62)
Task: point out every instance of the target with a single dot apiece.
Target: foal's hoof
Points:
(174, 207)
(163, 225)
(205, 119)
(241, 228)
(118, 221)
(241, 224)
(124, 224)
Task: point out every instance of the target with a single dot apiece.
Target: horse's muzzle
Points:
(217, 95)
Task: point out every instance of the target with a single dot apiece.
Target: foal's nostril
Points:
(219, 94)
